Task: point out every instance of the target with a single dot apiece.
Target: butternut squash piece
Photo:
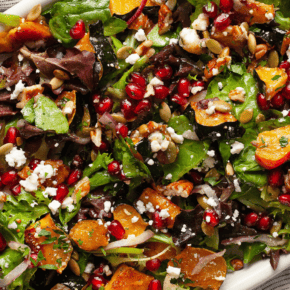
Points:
(128, 278)
(125, 6)
(130, 219)
(154, 248)
(89, 235)
(85, 43)
(64, 98)
(56, 253)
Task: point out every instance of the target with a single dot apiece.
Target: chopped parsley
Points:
(283, 141)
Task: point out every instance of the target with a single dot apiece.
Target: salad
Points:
(143, 147)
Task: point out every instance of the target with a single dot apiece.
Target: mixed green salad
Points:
(143, 146)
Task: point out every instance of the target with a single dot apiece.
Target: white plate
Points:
(246, 279)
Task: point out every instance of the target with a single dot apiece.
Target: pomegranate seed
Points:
(16, 189)
(211, 217)
(161, 92)
(127, 109)
(286, 92)
(284, 199)
(164, 73)
(275, 177)
(116, 230)
(153, 265)
(137, 79)
(11, 135)
(122, 176)
(183, 87)
(98, 281)
(77, 162)
(196, 177)
(222, 21)
(278, 101)
(179, 100)
(251, 219)
(122, 130)
(114, 167)
(155, 285)
(78, 31)
(74, 177)
(105, 105)
(211, 9)
(226, 5)
(158, 222)
(262, 102)
(61, 192)
(143, 106)
(135, 92)
(96, 99)
(102, 148)
(264, 223)
(285, 64)
(99, 270)
(3, 243)
(198, 84)
(33, 163)
(9, 177)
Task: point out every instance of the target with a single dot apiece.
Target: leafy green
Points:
(102, 178)
(162, 40)
(114, 26)
(101, 162)
(28, 111)
(273, 124)
(213, 241)
(251, 250)
(11, 123)
(49, 117)
(180, 124)
(10, 20)
(83, 260)
(283, 21)
(283, 141)
(198, 4)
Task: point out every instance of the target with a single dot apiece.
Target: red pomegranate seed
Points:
(285, 64)
(61, 192)
(211, 9)
(275, 177)
(161, 92)
(153, 265)
(3, 243)
(143, 106)
(96, 99)
(278, 101)
(226, 5)
(137, 79)
(183, 88)
(222, 21)
(116, 230)
(78, 31)
(127, 109)
(164, 73)
(263, 103)
(122, 130)
(98, 281)
(198, 84)
(74, 177)
(158, 222)
(99, 270)
(155, 285)
(77, 162)
(11, 135)
(286, 91)
(122, 175)
(33, 163)
(15, 189)
(264, 223)
(251, 219)
(135, 92)
(196, 177)
(284, 199)
(105, 105)
(211, 217)
(9, 177)
(102, 148)
(114, 167)
(179, 100)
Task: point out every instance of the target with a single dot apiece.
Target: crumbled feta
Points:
(150, 162)
(210, 108)
(237, 186)
(220, 85)
(150, 207)
(237, 147)
(140, 35)
(207, 219)
(44, 171)
(16, 157)
(215, 71)
(173, 271)
(188, 38)
(211, 202)
(140, 206)
(68, 203)
(275, 235)
(183, 229)
(107, 206)
(30, 184)
(235, 215)
(173, 41)
(134, 219)
(208, 162)
(155, 146)
(131, 59)
(107, 270)
(195, 90)
(156, 82)
(191, 135)
(164, 213)
(285, 113)
(89, 268)
(168, 176)
(211, 153)
(54, 206)
(49, 191)
(201, 23)
(225, 33)
(12, 226)
(18, 89)
(269, 16)
(175, 137)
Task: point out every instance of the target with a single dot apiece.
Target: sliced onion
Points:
(16, 272)
(205, 260)
(198, 97)
(138, 12)
(268, 240)
(108, 120)
(131, 241)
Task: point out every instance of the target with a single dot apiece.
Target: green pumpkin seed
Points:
(246, 116)
(171, 152)
(273, 59)
(252, 43)
(214, 46)
(165, 112)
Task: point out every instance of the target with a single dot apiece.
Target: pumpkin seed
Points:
(75, 255)
(207, 229)
(260, 118)
(119, 117)
(222, 106)
(229, 169)
(60, 74)
(246, 116)
(165, 112)
(74, 266)
(214, 46)
(171, 152)
(94, 155)
(252, 43)
(86, 276)
(124, 52)
(202, 200)
(245, 25)
(34, 13)
(273, 192)
(213, 173)
(276, 227)
(6, 148)
(273, 59)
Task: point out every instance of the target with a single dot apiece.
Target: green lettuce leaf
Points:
(251, 250)
(101, 162)
(10, 20)
(162, 40)
(273, 124)
(28, 111)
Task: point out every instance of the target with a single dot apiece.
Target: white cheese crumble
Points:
(191, 135)
(49, 191)
(173, 41)
(285, 113)
(275, 235)
(201, 23)
(30, 184)
(173, 271)
(220, 85)
(215, 71)
(16, 157)
(210, 108)
(89, 268)
(237, 147)
(140, 35)
(107, 206)
(68, 203)
(164, 213)
(195, 90)
(131, 59)
(168, 176)
(237, 186)
(211, 153)
(150, 162)
(54, 206)
(12, 226)
(211, 202)
(134, 219)
(18, 89)
(140, 206)
(269, 16)
(175, 137)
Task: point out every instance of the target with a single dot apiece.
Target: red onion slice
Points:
(205, 260)
(107, 120)
(268, 240)
(138, 12)
(131, 241)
